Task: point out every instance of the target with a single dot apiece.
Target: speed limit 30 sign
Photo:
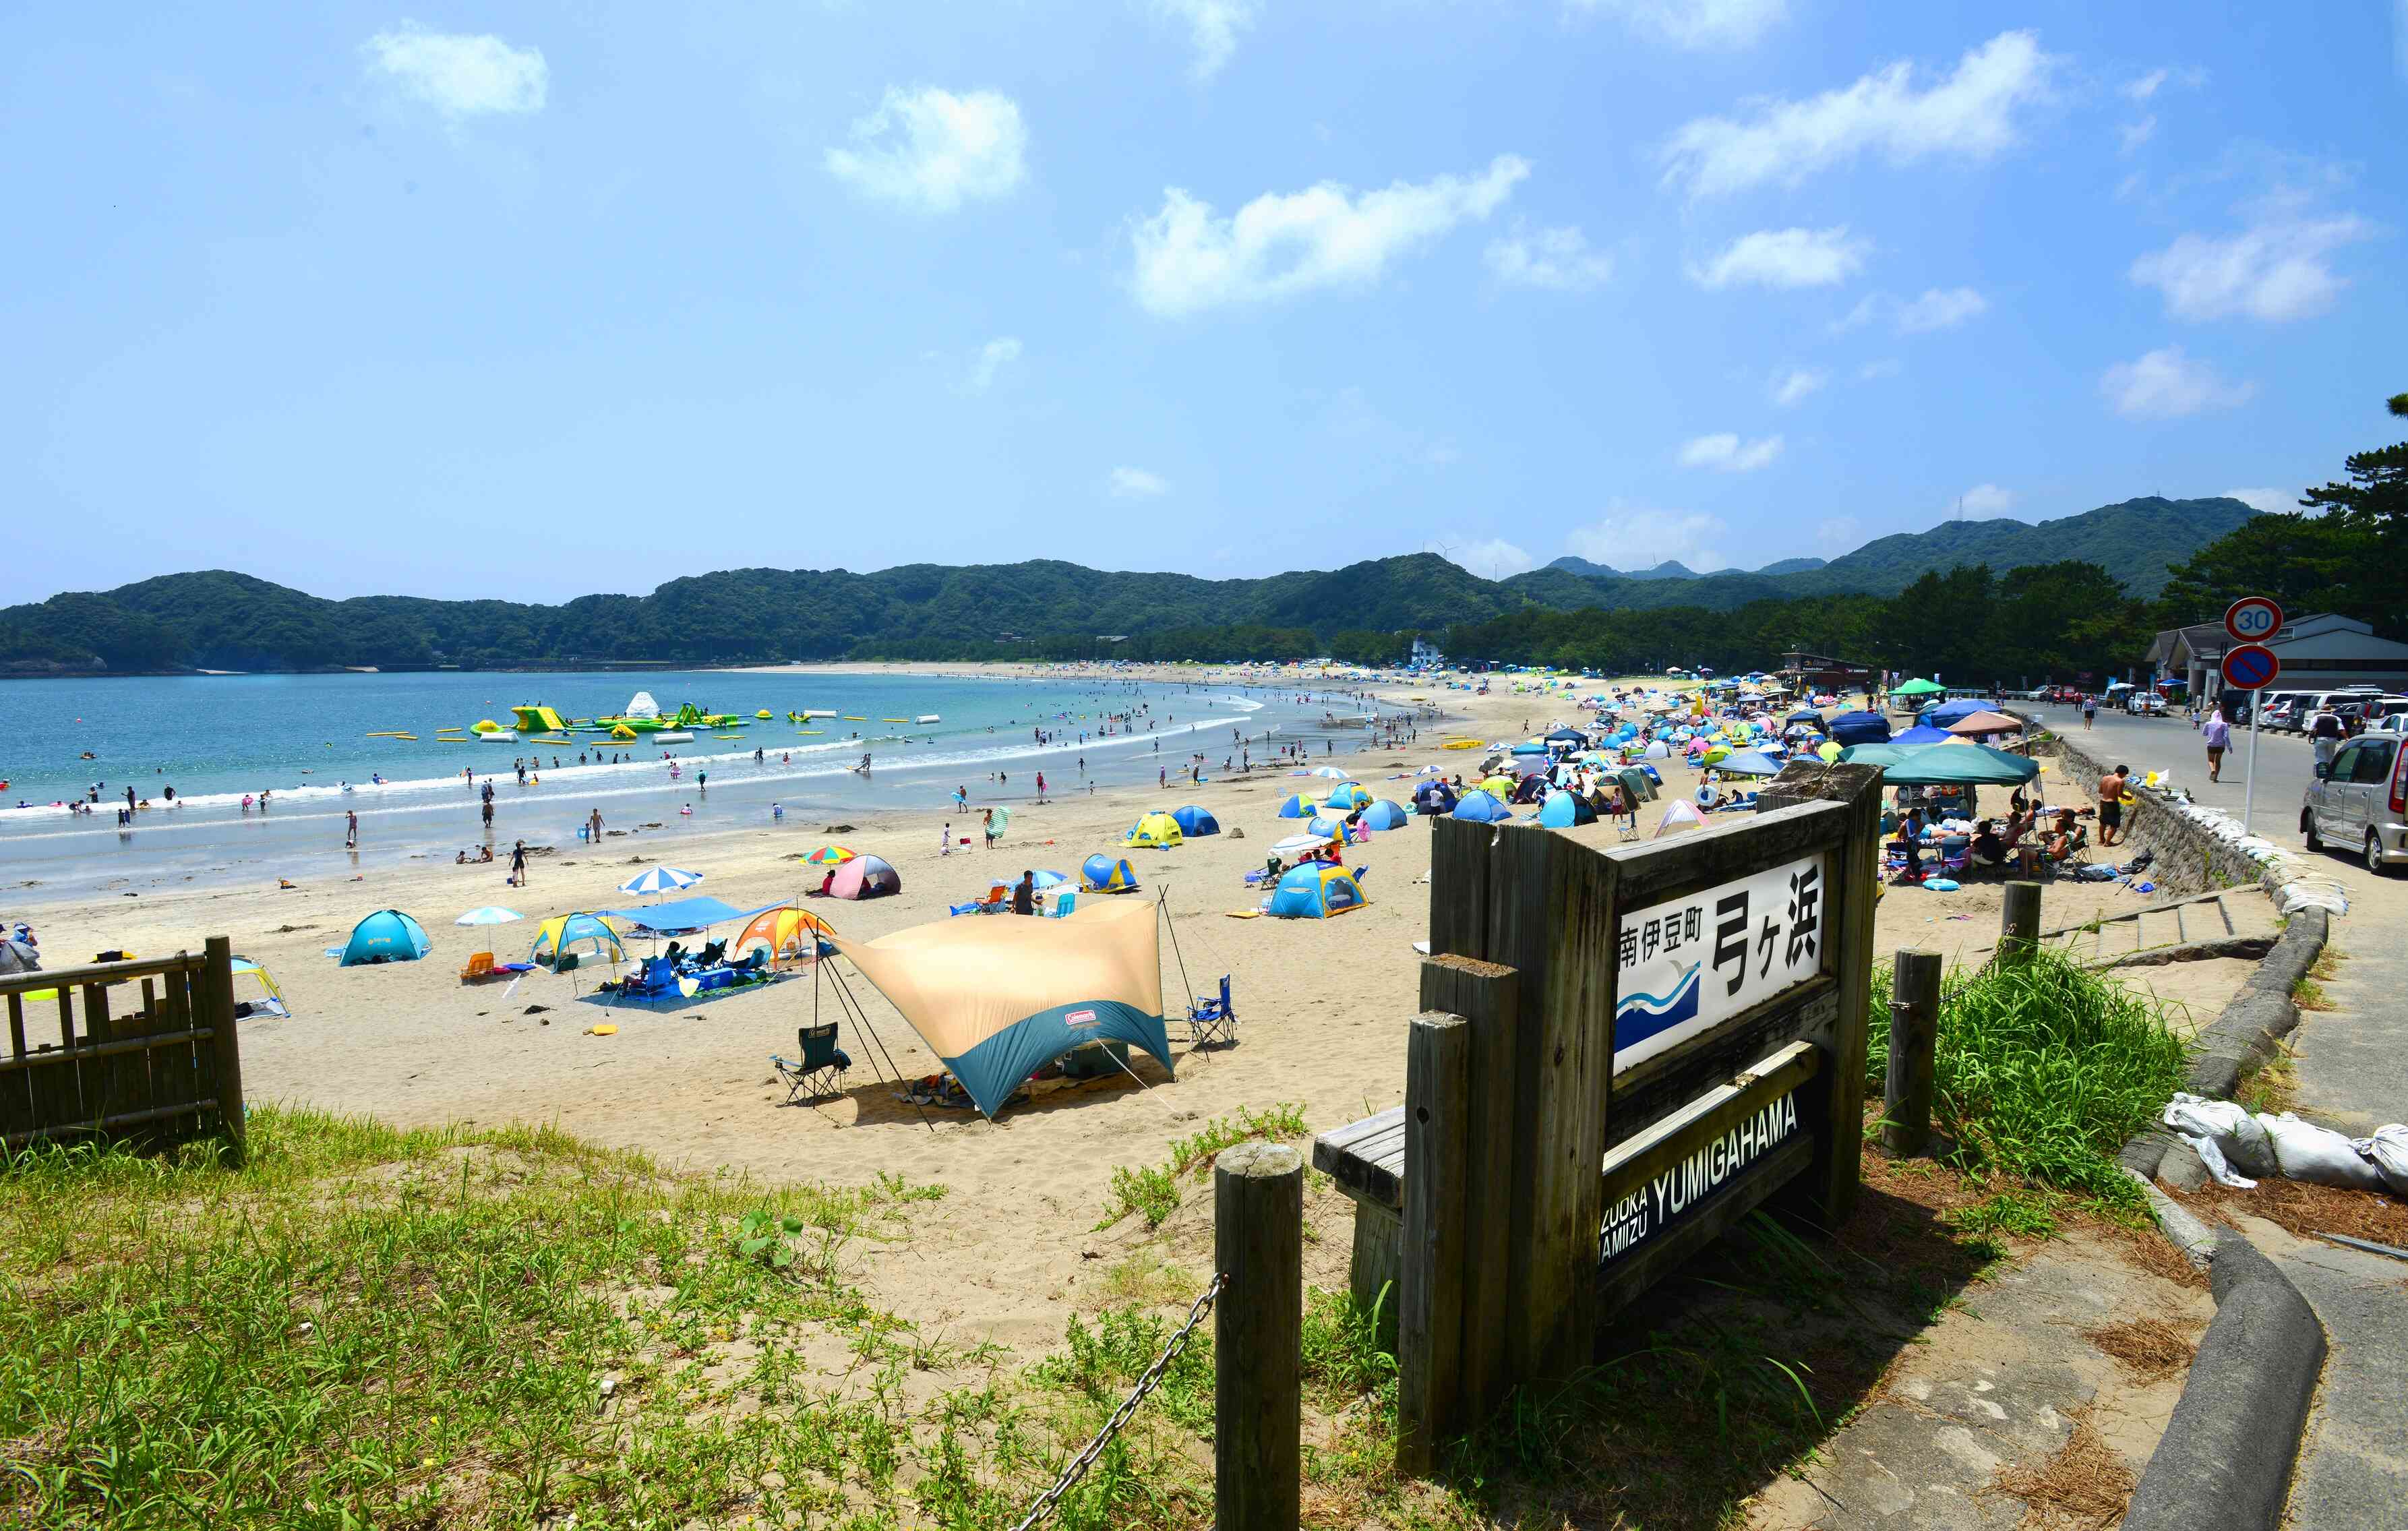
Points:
(2253, 619)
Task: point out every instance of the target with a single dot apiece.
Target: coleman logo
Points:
(1080, 1018)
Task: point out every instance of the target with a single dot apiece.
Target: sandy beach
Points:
(1324, 1005)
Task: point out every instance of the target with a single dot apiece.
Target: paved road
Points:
(2285, 762)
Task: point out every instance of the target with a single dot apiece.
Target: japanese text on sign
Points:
(1687, 965)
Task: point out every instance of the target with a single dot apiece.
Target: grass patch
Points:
(2274, 1086)
(365, 1327)
(1152, 1195)
(2042, 1072)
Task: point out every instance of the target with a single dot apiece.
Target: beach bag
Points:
(2228, 1130)
(2309, 1152)
(2388, 1149)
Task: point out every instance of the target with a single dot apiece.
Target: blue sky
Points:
(531, 300)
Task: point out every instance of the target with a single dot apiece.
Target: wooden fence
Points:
(1623, 1052)
(145, 1050)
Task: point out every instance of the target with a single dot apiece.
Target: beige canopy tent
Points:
(997, 999)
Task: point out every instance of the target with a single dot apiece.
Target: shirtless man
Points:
(2111, 805)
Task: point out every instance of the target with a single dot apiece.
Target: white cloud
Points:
(992, 358)
(2147, 86)
(2166, 384)
(1939, 311)
(1839, 534)
(1785, 258)
(1559, 259)
(459, 74)
(1970, 115)
(1887, 367)
(1938, 308)
(1696, 23)
(1637, 536)
(2274, 271)
(1130, 483)
(1792, 387)
(1214, 25)
(2268, 500)
(1725, 452)
(931, 150)
(1986, 500)
(1278, 244)
(2136, 134)
(1494, 558)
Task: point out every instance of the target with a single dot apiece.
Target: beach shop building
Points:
(2320, 653)
(1807, 674)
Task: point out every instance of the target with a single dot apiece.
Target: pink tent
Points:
(865, 876)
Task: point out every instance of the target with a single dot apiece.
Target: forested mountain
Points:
(220, 620)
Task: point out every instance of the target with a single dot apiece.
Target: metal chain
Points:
(1146, 1383)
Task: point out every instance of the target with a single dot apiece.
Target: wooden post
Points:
(1258, 1332)
(1429, 1316)
(217, 990)
(1913, 1032)
(2019, 923)
(1484, 994)
(1840, 1155)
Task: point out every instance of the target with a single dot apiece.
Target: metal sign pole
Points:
(2249, 777)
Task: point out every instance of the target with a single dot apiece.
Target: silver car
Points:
(2361, 800)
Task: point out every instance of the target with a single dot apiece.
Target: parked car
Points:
(2282, 716)
(2361, 800)
(2144, 704)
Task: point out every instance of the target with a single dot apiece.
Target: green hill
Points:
(222, 620)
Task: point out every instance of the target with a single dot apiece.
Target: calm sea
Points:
(305, 741)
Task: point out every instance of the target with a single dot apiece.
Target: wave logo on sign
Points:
(1080, 1018)
(1642, 1016)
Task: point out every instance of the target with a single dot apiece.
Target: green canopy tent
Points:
(1944, 764)
(1917, 688)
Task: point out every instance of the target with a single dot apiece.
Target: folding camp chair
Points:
(1211, 1021)
(822, 1067)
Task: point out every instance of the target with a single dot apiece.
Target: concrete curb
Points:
(2243, 1037)
(2227, 1456)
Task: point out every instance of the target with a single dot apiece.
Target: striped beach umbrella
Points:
(660, 880)
(830, 856)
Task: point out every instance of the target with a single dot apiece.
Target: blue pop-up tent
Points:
(386, 935)
(1193, 820)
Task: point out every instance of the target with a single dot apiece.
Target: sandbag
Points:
(2240, 1139)
(2306, 1151)
(2389, 1150)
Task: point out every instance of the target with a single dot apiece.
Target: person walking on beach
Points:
(2218, 734)
(945, 839)
(2090, 711)
(518, 863)
(350, 830)
(2111, 805)
(593, 827)
(993, 833)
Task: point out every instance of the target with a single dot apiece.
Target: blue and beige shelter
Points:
(1315, 890)
(1195, 821)
(1100, 873)
(386, 935)
(995, 1000)
(1565, 810)
(1297, 806)
(1348, 795)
